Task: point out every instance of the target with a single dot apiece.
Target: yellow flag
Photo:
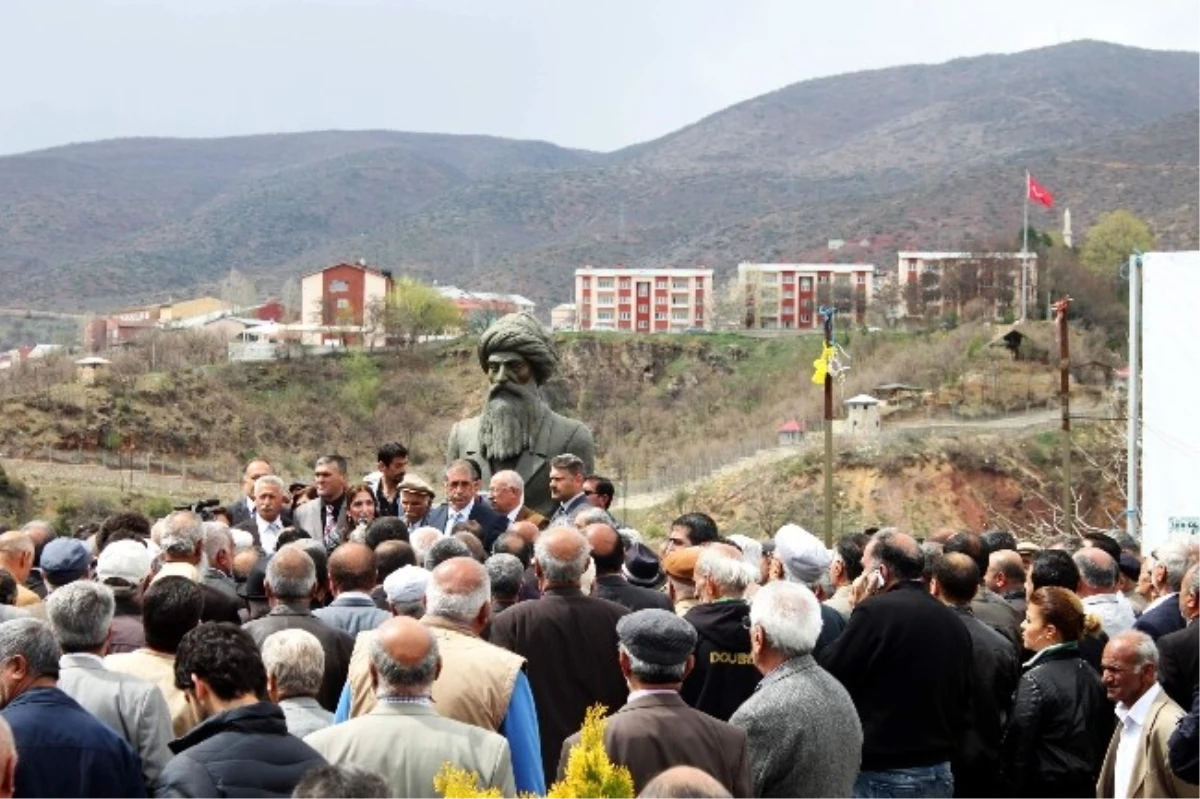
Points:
(821, 365)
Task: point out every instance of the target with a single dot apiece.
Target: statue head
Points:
(518, 356)
(516, 346)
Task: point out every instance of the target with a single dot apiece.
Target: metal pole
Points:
(1064, 367)
(1133, 411)
(1025, 251)
(828, 313)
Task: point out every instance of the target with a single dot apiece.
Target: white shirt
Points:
(268, 533)
(453, 516)
(1132, 721)
(649, 692)
(1113, 610)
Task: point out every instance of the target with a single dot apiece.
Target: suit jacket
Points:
(408, 744)
(241, 514)
(616, 588)
(1152, 775)
(556, 435)
(337, 645)
(803, 733)
(352, 614)
(569, 642)
(1164, 619)
(564, 513)
(493, 523)
(133, 708)
(1179, 663)
(654, 732)
(309, 518)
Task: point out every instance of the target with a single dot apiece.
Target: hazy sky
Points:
(598, 74)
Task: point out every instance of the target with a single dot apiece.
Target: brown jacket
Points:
(1152, 775)
(528, 514)
(475, 685)
(657, 731)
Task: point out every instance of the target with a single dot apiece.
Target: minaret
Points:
(1067, 227)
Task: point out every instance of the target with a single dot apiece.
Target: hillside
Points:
(918, 155)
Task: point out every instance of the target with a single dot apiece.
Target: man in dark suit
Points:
(463, 505)
(569, 642)
(1179, 652)
(291, 582)
(325, 518)
(270, 516)
(608, 553)
(567, 473)
(656, 730)
(242, 508)
(905, 659)
(1171, 561)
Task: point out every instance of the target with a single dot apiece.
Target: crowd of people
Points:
(353, 639)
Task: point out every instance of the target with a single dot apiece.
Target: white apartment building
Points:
(643, 300)
(788, 296)
(956, 278)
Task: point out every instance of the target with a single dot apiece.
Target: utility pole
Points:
(1133, 412)
(1064, 393)
(827, 315)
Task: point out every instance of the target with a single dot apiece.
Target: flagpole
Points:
(1025, 250)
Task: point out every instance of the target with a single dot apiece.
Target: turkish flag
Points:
(1039, 194)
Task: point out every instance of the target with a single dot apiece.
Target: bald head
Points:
(1097, 572)
(352, 568)
(527, 530)
(16, 554)
(561, 555)
(404, 658)
(897, 555)
(1006, 571)
(679, 782)
(608, 550)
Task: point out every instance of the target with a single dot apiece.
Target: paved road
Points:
(1048, 418)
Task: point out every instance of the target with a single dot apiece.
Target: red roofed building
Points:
(791, 433)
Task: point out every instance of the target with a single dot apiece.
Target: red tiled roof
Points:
(791, 426)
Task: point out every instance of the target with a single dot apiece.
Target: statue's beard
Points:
(510, 420)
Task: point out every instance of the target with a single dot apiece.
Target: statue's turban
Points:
(523, 335)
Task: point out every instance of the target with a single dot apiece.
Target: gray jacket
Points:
(304, 715)
(352, 614)
(133, 708)
(803, 732)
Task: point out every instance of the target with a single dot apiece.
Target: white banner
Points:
(1170, 395)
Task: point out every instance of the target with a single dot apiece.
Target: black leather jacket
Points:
(1060, 727)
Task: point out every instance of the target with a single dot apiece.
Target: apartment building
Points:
(788, 296)
(643, 300)
(933, 284)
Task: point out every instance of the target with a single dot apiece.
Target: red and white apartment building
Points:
(986, 268)
(336, 302)
(788, 296)
(669, 300)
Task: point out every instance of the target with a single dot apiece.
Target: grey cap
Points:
(661, 637)
(803, 556)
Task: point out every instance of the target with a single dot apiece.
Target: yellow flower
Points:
(453, 782)
(589, 771)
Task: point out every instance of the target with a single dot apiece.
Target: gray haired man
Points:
(295, 664)
(80, 615)
(404, 738)
(804, 735)
(656, 730)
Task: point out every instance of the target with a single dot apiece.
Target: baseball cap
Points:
(124, 561)
(681, 563)
(65, 559)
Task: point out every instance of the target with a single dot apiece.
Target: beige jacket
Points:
(475, 685)
(1152, 775)
(158, 668)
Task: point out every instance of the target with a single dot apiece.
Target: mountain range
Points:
(922, 157)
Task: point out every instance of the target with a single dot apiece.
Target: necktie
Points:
(330, 535)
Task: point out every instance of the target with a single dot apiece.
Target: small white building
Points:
(863, 416)
(90, 369)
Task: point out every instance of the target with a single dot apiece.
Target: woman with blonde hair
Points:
(1059, 728)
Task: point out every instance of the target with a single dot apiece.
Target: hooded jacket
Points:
(724, 675)
(246, 751)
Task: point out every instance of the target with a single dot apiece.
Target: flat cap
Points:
(414, 483)
(65, 559)
(406, 584)
(1130, 566)
(1027, 547)
(803, 556)
(681, 563)
(661, 637)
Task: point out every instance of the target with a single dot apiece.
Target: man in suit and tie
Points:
(1136, 764)
(506, 492)
(403, 737)
(242, 508)
(517, 429)
(567, 473)
(463, 505)
(325, 518)
(267, 522)
(656, 730)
